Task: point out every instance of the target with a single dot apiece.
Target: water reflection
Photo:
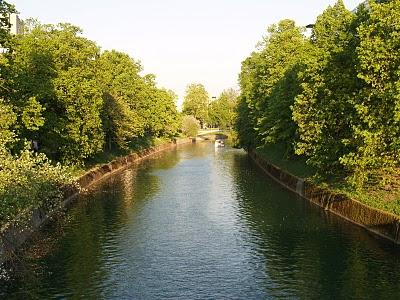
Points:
(308, 252)
(197, 223)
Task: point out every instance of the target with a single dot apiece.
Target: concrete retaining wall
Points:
(377, 222)
(14, 235)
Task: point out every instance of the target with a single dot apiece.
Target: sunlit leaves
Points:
(196, 102)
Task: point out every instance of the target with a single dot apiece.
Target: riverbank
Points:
(15, 233)
(376, 221)
(197, 215)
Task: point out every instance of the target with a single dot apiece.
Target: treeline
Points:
(64, 99)
(219, 112)
(58, 89)
(332, 98)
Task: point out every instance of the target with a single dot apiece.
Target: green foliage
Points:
(55, 92)
(190, 126)
(375, 157)
(119, 79)
(28, 181)
(7, 121)
(269, 83)
(333, 99)
(323, 110)
(283, 57)
(222, 112)
(79, 129)
(74, 100)
(196, 102)
(5, 10)
(133, 105)
(57, 89)
(245, 124)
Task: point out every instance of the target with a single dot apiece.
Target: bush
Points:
(190, 126)
(29, 181)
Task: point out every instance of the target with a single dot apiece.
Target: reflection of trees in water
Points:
(307, 255)
(196, 150)
(161, 160)
(71, 252)
(73, 259)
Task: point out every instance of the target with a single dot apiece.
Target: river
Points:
(201, 223)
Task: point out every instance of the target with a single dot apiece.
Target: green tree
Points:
(5, 10)
(7, 114)
(55, 91)
(375, 155)
(323, 111)
(222, 111)
(190, 126)
(283, 56)
(246, 122)
(7, 121)
(269, 83)
(163, 119)
(121, 84)
(196, 102)
(134, 107)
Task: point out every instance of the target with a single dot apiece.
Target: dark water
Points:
(201, 224)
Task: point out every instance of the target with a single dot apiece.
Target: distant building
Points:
(17, 25)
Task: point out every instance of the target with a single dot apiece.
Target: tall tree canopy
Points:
(196, 102)
(55, 90)
(323, 110)
(5, 10)
(222, 111)
(269, 83)
(333, 98)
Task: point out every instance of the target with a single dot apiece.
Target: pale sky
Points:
(180, 41)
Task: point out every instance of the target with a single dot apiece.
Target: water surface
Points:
(200, 223)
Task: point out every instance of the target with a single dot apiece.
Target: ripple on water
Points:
(200, 224)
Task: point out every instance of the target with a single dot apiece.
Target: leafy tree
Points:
(134, 106)
(285, 50)
(190, 126)
(324, 111)
(56, 87)
(121, 83)
(269, 83)
(7, 121)
(29, 181)
(246, 122)
(196, 102)
(163, 119)
(345, 86)
(375, 155)
(55, 91)
(222, 112)
(5, 10)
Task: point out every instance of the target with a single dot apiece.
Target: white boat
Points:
(219, 143)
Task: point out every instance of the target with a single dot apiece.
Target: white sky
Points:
(180, 41)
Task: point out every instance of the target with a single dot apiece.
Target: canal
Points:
(201, 223)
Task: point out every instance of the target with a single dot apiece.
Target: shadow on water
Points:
(200, 223)
(310, 253)
(78, 235)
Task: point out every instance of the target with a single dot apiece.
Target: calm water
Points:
(201, 224)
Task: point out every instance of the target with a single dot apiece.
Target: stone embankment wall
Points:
(14, 235)
(377, 222)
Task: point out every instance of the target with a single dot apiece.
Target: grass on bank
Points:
(384, 198)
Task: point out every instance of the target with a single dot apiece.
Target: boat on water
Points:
(219, 143)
